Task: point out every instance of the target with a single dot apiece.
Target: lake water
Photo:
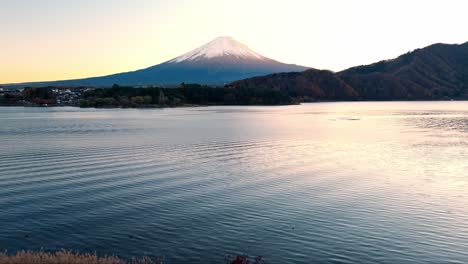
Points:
(369, 182)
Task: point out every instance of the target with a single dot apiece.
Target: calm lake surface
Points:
(369, 182)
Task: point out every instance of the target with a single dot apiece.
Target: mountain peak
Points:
(220, 61)
(220, 47)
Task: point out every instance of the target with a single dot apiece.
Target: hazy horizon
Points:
(57, 40)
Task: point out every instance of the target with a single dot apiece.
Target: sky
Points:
(42, 40)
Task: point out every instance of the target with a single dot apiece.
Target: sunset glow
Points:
(51, 39)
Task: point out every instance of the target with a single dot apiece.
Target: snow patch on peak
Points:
(219, 47)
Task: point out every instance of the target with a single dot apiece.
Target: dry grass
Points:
(66, 257)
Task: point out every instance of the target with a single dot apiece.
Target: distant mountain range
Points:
(219, 62)
(439, 71)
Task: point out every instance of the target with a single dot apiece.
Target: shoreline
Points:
(211, 105)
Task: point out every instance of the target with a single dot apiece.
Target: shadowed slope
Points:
(435, 72)
(316, 84)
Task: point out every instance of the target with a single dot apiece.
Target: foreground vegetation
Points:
(66, 257)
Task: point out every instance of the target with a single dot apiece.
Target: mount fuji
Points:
(218, 62)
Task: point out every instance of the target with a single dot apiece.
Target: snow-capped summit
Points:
(218, 62)
(219, 47)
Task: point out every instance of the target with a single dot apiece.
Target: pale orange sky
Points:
(64, 39)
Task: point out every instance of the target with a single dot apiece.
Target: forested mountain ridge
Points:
(439, 71)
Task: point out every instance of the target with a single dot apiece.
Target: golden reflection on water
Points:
(415, 149)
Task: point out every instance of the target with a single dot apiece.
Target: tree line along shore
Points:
(149, 97)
